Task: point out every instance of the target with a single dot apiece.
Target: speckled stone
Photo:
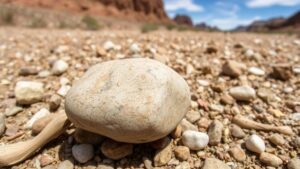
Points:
(131, 100)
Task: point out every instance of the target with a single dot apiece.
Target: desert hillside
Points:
(140, 10)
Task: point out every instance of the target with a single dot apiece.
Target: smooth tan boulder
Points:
(131, 100)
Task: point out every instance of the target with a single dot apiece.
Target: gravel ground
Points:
(235, 80)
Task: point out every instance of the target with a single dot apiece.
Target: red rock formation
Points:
(275, 24)
(293, 20)
(183, 20)
(140, 10)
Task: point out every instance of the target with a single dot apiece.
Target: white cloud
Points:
(267, 3)
(232, 22)
(227, 16)
(188, 5)
(227, 9)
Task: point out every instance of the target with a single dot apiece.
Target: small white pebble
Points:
(296, 69)
(249, 53)
(40, 114)
(134, 48)
(195, 140)
(203, 82)
(244, 93)
(255, 143)
(63, 90)
(108, 45)
(288, 90)
(256, 71)
(295, 116)
(59, 67)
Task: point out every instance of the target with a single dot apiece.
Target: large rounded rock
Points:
(131, 100)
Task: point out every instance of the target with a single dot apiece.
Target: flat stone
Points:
(242, 93)
(176, 133)
(266, 95)
(277, 139)
(28, 92)
(238, 153)
(66, 165)
(294, 164)
(183, 165)
(163, 156)
(186, 125)
(296, 142)
(2, 124)
(83, 152)
(182, 153)
(44, 73)
(236, 131)
(130, 100)
(49, 167)
(13, 111)
(116, 150)
(227, 99)
(282, 72)
(192, 116)
(215, 132)
(212, 163)
(45, 159)
(232, 69)
(270, 159)
(63, 90)
(295, 116)
(26, 71)
(54, 102)
(11, 129)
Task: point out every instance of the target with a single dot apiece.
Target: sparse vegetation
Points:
(171, 26)
(38, 22)
(90, 23)
(64, 25)
(148, 27)
(184, 28)
(180, 27)
(7, 16)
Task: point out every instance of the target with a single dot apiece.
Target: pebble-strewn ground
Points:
(252, 77)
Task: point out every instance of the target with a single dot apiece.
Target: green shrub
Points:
(7, 16)
(183, 28)
(38, 22)
(171, 27)
(149, 27)
(90, 23)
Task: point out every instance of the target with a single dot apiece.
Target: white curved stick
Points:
(15, 153)
(250, 124)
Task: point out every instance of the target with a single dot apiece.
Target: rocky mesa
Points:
(138, 10)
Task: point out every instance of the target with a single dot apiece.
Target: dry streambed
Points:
(245, 105)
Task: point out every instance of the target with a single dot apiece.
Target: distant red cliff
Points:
(139, 10)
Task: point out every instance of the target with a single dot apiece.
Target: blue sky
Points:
(227, 14)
